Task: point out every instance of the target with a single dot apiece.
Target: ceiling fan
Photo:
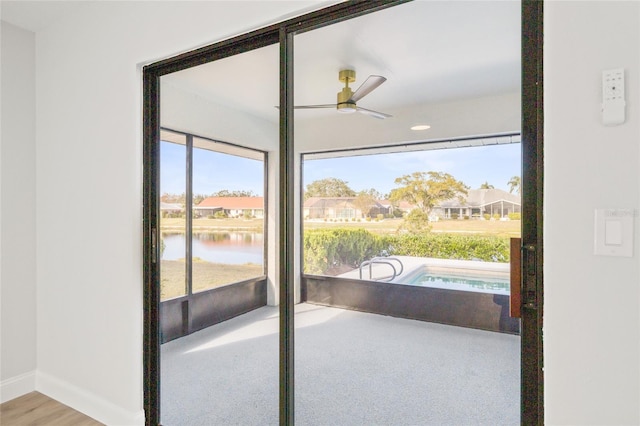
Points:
(347, 98)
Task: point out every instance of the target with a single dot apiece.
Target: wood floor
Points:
(36, 409)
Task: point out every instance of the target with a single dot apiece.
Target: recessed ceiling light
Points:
(421, 127)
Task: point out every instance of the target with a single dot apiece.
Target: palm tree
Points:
(486, 185)
(515, 183)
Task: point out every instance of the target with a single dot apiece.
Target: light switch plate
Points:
(614, 232)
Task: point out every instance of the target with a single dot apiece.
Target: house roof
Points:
(232, 203)
(482, 197)
(170, 206)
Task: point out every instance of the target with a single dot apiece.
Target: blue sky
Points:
(213, 171)
(495, 164)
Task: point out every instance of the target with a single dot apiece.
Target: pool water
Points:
(487, 284)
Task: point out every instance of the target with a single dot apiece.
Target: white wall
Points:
(591, 323)
(17, 222)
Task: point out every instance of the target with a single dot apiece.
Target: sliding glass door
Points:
(218, 325)
(241, 93)
(401, 224)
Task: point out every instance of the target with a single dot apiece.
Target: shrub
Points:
(325, 249)
(514, 216)
(496, 216)
(415, 222)
(448, 246)
(220, 215)
(486, 216)
(328, 248)
(454, 216)
(466, 217)
(380, 216)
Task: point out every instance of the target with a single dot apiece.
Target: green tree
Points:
(198, 198)
(329, 187)
(426, 189)
(364, 201)
(236, 193)
(173, 198)
(415, 222)
(486, 185)
(374, 193)
(515, 183)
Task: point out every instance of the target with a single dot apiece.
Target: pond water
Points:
(218, 247)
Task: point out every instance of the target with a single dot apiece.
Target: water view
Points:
(219, 247)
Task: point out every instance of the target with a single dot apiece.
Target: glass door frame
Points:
(283, 34)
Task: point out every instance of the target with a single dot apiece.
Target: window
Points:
(212, 214)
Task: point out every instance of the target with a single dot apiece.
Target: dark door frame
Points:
(531, 370)
(283, 33)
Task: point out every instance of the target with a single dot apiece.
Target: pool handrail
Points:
(385, 261)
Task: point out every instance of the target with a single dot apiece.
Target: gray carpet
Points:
(352, 368)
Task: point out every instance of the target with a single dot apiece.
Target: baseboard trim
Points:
(86, 403)
(17, 386)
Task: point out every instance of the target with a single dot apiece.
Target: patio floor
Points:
(352, 368)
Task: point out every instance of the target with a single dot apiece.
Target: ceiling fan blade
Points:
(311, 106)
(376, 114)
(367, 87)
(315, 106)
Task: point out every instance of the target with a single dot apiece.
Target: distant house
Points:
(339, 208)
(231, 206)
(170, 209)
(393, 206)
(479, 202)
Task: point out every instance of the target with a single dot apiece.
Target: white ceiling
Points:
(37, 15)
(430, 52)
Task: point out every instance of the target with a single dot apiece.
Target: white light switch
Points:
(614, 232)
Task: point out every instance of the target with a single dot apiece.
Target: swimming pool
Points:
(486, 283)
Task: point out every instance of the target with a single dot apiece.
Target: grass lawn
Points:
(206, 275)
(509, 228)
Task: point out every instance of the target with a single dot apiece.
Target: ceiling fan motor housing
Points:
(344, 104)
